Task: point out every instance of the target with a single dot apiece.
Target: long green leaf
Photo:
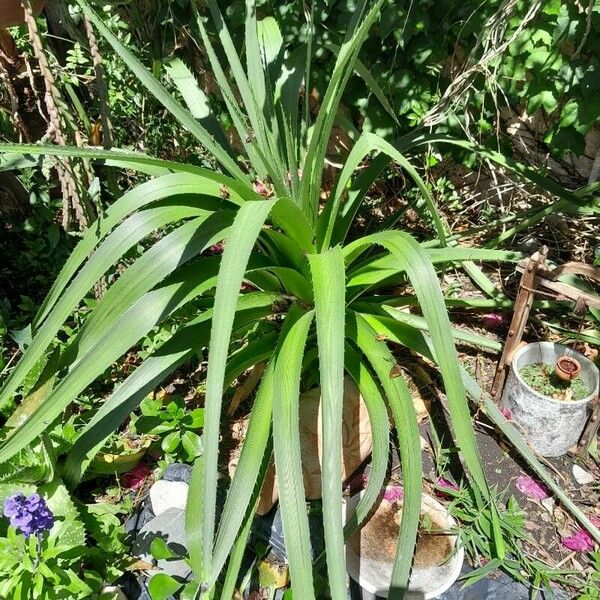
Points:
(315, 155)
(193, 519)
(424, 280)
(405, 418)
(129, 233)
(329, 292)
(418, 342)
(147, 377)
(288, 462)
(286, 214)
(133, 324)
(243, 234)
(379, 423)
(196, 100)
(235, 111)
(367, 143)
(254, 352)
(150, 269)
(463, 335)
(168, 186)
(162, 95)
(241, 541)
(246, 474)
(381, 270)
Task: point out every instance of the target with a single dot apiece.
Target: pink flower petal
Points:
(506, 412)
(595, 520)
(446, 484)
(531, 488)
(134, 479)
(492, 320)
(393, 494)
(580, 541)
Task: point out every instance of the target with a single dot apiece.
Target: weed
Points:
(542, 378)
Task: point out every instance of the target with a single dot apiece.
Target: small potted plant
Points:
(549, 392)
(121, 454)
(371, 551)
(12, 12)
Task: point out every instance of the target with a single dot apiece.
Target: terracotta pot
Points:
(356, 444)
(567, 368)
(12, 12)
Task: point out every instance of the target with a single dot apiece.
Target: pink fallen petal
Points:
(580, 541)
(444, 483)
(506, 412)
(595, 520)
(531, 488)
(134, 479)
(492, 320)
(393, 494)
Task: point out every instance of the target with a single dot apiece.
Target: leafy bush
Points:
(287, 259)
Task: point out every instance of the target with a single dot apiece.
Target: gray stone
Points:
(178, 472)
(170, 526)
(168, 494)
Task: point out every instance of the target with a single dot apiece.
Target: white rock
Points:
(168, 494)
(548, 504)
(582, 477)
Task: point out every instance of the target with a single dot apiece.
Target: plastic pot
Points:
(370, 552)
(12, 13)
(551, 426)
(107, 463)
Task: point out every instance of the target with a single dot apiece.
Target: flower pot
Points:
(12, 13)
(551, 426)
(371, 551)
(567, 368)
(107, 463)
(357, 444)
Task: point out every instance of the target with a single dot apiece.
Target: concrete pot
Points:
(551, 426)
(371, 551)
(12, 13)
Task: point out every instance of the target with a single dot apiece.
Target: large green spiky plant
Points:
(324, 290)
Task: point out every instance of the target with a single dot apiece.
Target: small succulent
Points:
(30, 513)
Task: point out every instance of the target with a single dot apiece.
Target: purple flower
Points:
(30, 514)
(531, 488)
(393, 494)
